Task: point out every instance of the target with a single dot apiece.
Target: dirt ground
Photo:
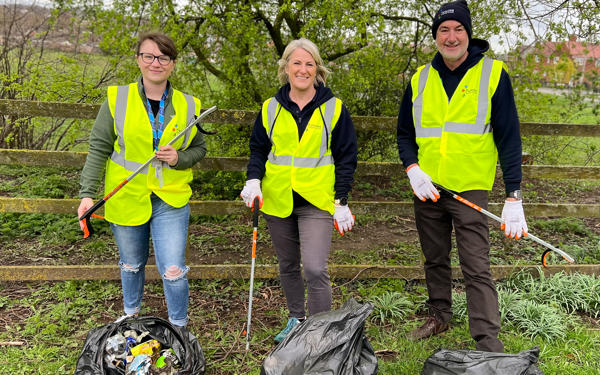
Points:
(374, 240)
(227, 240)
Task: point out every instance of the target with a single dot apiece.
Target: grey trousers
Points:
(303, 237)
(434, 224)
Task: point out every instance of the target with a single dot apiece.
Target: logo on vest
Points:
(467, 91)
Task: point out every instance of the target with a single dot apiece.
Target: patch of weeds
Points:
(589, 253)
(40, 182)
(459, 306)
(524, 307)
(365, 187)
(565, 225)
(572, 293)
(217, 185)
(366, 219)
(403, 253)
(367, 288)
(214, 219)
(263, 259)
(4, 302)
(391, 307)
(99, 248)
(47, 228)
(202, 244)
(58, 318)
(390, 254)
(350, 257)
(399, 189)
(506, 300)
(155, 287)
(535, 319)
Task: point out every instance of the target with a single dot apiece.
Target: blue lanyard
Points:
(157, 126)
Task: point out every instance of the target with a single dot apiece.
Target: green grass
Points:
(570, 109)
(53, 319)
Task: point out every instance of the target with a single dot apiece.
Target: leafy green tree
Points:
(231, 47)
(371, 45)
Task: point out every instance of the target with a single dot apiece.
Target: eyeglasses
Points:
(148, 58)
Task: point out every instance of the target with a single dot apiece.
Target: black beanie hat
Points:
(454, 10)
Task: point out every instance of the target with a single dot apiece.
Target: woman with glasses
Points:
(302, 161)
(135, 122)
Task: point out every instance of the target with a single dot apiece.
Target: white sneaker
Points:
(126, 316)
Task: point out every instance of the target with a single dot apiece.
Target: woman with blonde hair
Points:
(302, 161)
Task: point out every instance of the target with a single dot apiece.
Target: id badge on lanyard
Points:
(158, 125)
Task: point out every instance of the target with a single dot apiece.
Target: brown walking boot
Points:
(432, 326)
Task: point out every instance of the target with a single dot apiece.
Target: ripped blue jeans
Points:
(169, 228)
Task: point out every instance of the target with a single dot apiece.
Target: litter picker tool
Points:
(86, 217)
(254, 237)
(549, 247)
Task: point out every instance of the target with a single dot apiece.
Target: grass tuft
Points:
(390, 307)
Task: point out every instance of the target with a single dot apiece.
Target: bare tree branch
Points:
(400, 18)
(529, 20)
(414, 50)
(336, 55)
(273, 29)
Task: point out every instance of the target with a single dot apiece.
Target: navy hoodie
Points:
(504, 117)
(343, 141)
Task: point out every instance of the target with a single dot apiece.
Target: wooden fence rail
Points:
(37, 158)
(267, 271)
(22, 108)
(19, 109)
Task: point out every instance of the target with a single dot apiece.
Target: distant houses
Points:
(565, 63)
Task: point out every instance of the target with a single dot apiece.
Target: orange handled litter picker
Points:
(549, 247)
(254, 238)
(86, 217)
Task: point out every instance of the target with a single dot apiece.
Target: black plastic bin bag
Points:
(183, 342)
(472, 362)
(331, 343)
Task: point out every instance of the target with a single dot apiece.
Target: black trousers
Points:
(435, 221)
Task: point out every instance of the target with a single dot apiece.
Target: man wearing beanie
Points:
(457, 118)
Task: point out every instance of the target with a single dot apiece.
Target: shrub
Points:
(391, 306)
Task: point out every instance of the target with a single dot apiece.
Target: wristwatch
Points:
(515, 194)
(343, 201)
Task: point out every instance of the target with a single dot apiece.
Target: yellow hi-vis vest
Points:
(304, 166)
(133, 147)
(456, 146)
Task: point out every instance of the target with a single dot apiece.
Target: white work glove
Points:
(421, 183)
(514, 219)
(250, 191)
(343, 220)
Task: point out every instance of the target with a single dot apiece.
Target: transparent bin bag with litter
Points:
(184, 343)
(473, 362)
(331, 343)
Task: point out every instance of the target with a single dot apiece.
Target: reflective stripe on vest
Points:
(455, 127)
(191, 111)
(301, 164)
(323, 159)
(133, 146)
(121, 111)
(454, 135)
